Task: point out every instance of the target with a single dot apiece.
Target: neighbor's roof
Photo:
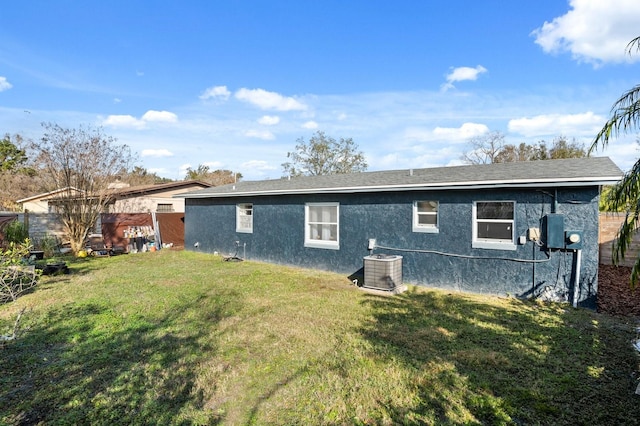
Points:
(158, 187)
(569, 172)
(126, 191)
(50, 195)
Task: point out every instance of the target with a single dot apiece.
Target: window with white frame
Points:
(244, 217)
(322, 228)
(493, 225)
(425, 216)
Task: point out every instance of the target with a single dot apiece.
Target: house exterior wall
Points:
(444, 259)
(148, 203)
(36, 206)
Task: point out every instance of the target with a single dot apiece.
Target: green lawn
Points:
(177, 337)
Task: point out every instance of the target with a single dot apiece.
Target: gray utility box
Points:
(383, 272)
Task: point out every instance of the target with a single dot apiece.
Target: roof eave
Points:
(544, 183)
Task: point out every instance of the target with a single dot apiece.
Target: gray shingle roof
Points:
(567, 172)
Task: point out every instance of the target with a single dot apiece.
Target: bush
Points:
(15, 232)
(48, 244)
(16, 277)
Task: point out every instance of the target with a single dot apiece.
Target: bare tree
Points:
(323, 155)
(80, 162)
(485, 149)
(491, 148)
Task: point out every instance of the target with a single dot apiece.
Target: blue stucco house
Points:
(527, 229)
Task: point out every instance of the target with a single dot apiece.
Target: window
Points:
(164, 208)
(321, 225)
(425, 216)
(244, 218)
(493, 226)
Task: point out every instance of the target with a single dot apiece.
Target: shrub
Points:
(15, 232)
(48, 244)
(16, 278)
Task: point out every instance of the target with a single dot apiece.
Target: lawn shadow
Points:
(86, 364)
(524, 363)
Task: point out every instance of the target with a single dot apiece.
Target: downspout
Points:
(533, 272)
(576, 284)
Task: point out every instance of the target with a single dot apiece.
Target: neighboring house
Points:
(157, 198)
(527, 229)
(40, 203)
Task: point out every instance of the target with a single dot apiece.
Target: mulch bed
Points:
(615, 295)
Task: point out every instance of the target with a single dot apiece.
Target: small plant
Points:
(16, 253)
(15, 232)
(48, 244)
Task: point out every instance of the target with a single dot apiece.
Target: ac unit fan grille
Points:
(383, 272)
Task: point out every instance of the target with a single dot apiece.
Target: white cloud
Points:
(160, 116)
(156, 153)
(310, 125)
(593, 31)
(462, 74)
(216, 92)
(117, 100)
(4, 84)
(572, 125)
(269, 100)
(460, 134)
(269, 120)
(259, 134)
(129, 121)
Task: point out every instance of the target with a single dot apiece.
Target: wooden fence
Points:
(609, 225)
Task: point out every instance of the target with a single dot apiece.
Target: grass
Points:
(185, 338)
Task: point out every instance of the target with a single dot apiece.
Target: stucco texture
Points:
(445, 259)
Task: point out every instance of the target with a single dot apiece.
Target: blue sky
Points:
(234, 84)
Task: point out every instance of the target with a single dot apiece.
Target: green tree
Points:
(81, 162)
(215, 177)
(323, 155)
(141, 176)
(562, 148)
(17, 178)
(625, 196)
(522, 152)
(12, 158)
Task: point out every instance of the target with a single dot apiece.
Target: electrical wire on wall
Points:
(463, 256)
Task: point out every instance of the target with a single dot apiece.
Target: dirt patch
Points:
(615, 295)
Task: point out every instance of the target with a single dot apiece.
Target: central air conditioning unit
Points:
(383, 272)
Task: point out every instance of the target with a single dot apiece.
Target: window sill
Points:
(426, 229)
(328, 245)
(493, 245)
